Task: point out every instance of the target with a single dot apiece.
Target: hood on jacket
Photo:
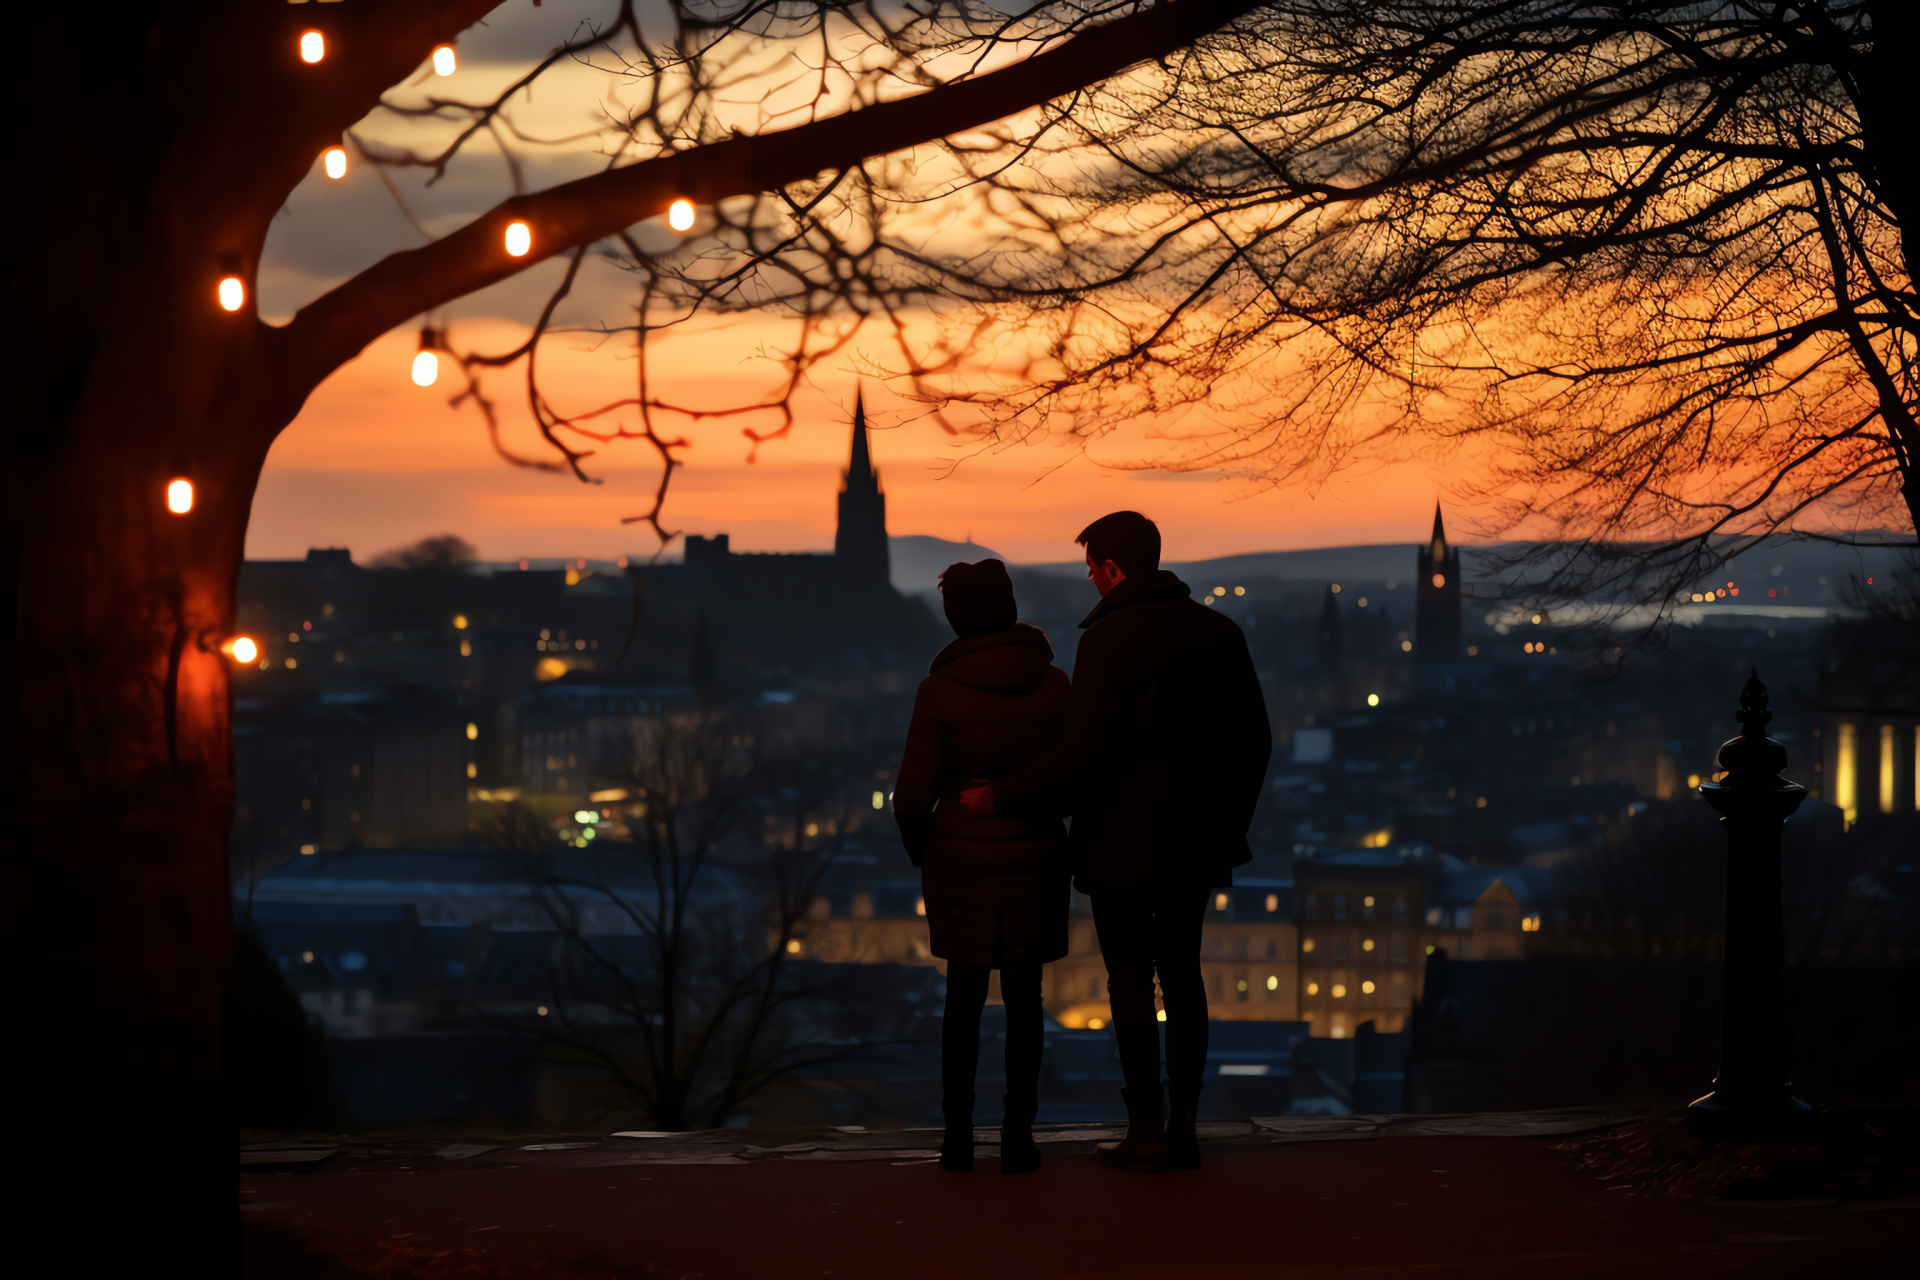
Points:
(1010, 661)
(1136, 588)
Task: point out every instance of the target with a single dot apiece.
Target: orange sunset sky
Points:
(374, 462)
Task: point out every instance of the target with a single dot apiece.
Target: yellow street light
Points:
(242, 650)
(426, 368)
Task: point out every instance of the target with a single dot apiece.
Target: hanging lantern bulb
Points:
(242, 650)
(443, 61)
(334, 160)
(313, 47)
(680, 215)
(519, 239)
(180, 496)
(232, 293)
(426, 364)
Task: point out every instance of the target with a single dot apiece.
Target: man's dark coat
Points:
(990, 703)
(1165, 747)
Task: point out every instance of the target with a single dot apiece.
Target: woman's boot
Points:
(1181, 1148)
(1141, 1150)
(956, 1148)
(1018, 1151)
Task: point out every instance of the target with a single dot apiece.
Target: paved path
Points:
(1270, 1202)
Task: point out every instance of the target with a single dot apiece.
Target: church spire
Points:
(861, 540)
(1439, 551)
(860, 472)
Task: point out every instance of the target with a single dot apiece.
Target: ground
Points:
(1477, 1196)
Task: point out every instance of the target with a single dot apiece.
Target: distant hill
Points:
(1329, 564)
(919, 560)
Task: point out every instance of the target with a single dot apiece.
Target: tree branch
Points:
(338, 325)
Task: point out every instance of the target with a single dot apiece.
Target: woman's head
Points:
(978, 598)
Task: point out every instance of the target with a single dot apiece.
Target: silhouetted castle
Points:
(795, 608)
(859, 565)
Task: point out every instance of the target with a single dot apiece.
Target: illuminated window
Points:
(1366, 988)
(1366, 944)
(473, 732)
(1846, 793)
(1159, 1015)
(1313, 988)
(1273, 982)
(1886, 768)
(879, 799)
(1307, 945)
(1367, 901)
(1339, 991)
(1219, 902)
(920, 906)
(1273, 902)
(793, 946)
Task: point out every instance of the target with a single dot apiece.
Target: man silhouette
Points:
(1164, 750)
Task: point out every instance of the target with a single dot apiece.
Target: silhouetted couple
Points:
(1156, 750)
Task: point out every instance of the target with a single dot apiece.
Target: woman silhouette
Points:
(995, 887)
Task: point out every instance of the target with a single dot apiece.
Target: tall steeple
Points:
(860, 542)
(1437, 597)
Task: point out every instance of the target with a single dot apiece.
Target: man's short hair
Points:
(1127, 538)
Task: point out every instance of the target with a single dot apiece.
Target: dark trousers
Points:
(960, 1033)
(1142, 935)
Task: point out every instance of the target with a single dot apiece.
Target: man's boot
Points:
(956, 1148)
(1018, 1151)
(1181, 1148)
(1141, 1150)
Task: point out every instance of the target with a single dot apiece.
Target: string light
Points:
(232, 293)
(443, 62)
(335, 161)
(519, 239)
(680, 215)
(426, 368)
(180, 496)
(313, 47)
(242, 650)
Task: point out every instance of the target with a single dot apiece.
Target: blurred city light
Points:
(443, 60)
(519, 239)
(180, 496)
(232, 293)
(313, 47)
(680, 215)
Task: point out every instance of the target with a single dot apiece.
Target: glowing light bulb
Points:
(680, 215)
(443, 62)
(519, 239)
(232, 293)
(313, 47)
(426, 367)
(243, 650)
(180, 497)
(335, 161)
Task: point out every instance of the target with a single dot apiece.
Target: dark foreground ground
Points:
(1472, 1196)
